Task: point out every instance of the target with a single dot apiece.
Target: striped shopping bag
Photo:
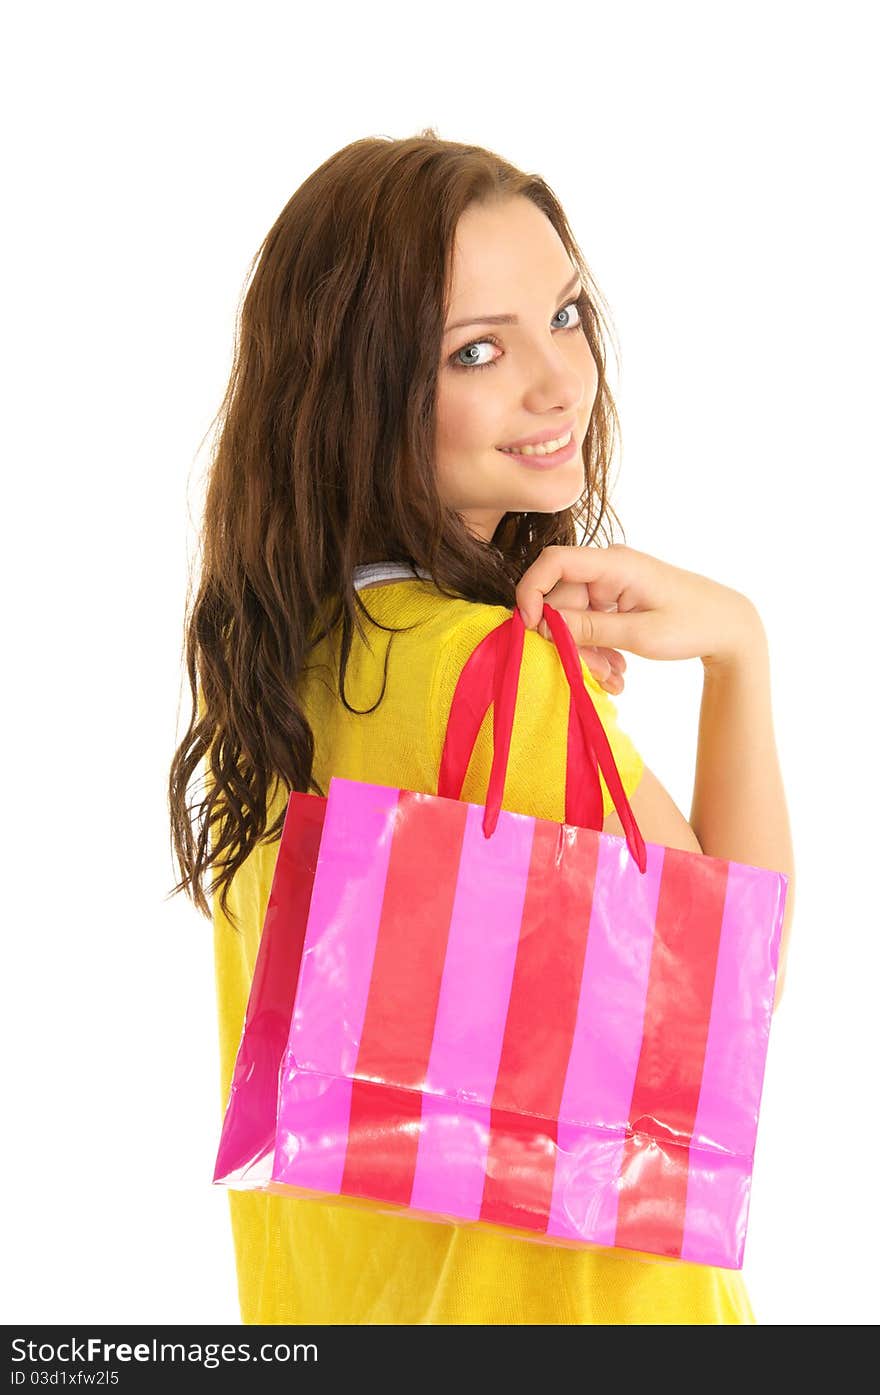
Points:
(466, 1014)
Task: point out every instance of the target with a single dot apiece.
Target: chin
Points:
(554, 498)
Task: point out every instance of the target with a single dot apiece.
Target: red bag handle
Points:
(492, 674)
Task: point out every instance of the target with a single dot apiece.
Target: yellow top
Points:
(306, 1261)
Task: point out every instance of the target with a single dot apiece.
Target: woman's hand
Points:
(614, 598)
(570, 597)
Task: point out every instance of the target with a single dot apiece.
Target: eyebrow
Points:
(506, 319)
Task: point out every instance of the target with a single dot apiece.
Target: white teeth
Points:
(546, 448)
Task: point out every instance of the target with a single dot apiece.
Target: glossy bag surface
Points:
(461, 1013)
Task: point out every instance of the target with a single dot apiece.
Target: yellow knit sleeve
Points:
(535, 781)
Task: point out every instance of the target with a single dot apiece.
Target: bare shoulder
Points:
(657, 815)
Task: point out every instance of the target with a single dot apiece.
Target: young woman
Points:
(372, 513)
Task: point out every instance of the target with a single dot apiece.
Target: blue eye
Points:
(490, 339)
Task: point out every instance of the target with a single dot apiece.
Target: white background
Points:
(717, 163)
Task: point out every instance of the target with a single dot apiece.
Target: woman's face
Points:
(509, 260)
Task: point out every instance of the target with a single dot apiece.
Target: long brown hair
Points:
(323, 460)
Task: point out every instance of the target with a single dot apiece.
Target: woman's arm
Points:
(739, 810)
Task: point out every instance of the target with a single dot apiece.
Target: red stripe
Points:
(383, 1140)
(401, 1006)
(584, 806)
(539, 1029)
(654, 1170)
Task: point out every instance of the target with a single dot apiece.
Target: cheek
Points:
(464, 417)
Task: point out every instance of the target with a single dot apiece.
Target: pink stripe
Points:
(584, 1203)
(474, 994)
(312, 1130)
(451, 1161)
(717, 1208)
(607, 1041)
(342, 929)
(736, 1048)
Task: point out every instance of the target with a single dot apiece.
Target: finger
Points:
(569, 595)
(596, 662)
(574, 595)
(614, 657)
(613, 683)
(609, 678)
(595, 630)
(603, 675)
(610, 568)
(606, 665)
(581, 625)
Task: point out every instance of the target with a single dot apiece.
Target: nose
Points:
(555, 379)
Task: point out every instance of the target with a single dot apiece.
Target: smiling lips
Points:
(545, 448)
